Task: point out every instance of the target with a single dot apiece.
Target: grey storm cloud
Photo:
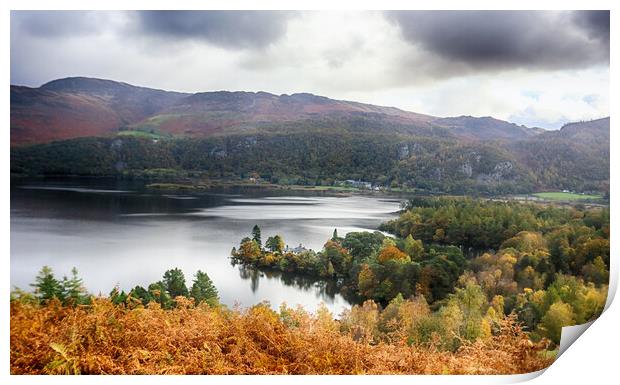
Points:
(53, 24)
(438, 62)
(509, 39)
(596, 23)
(234, 29)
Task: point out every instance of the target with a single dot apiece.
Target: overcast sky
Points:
(534, 68)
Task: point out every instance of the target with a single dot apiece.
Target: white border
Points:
(593, 359)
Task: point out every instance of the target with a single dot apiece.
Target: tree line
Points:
(71, 291)
(318, 159)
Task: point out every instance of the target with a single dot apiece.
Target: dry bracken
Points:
(104, 338)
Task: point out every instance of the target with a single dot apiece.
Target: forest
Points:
(431, 164)
(467, 263)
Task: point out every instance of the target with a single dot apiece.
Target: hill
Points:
(78, 107)
(576, 157)
(82, 126)
(486, 128)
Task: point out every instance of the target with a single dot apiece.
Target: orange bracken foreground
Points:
(107, 339)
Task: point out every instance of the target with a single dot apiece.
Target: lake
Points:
(120, 233)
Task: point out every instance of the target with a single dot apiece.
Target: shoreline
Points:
(196, 185)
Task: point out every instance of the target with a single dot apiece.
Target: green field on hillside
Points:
(139, 134)
(565, 196)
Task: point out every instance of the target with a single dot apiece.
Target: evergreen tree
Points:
(73, 289)
(158, 292)
(335, 235)
(46, 286)
(256, 235)
(174, 281)
(117, 296)
(142, 294)
(275, 244)
(203, 289)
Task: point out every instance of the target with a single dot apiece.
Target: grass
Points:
(175, 186)
(320, 188)
(565, 196)
(139, 134)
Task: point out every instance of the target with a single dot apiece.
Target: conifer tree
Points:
(158, 292)
(174, 281)
(203, 289)
(46, 286)
(256, 235)
(73, 290)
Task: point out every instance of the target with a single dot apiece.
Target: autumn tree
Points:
(366, 281)
(559, 315)
(596, 271)
(392, 253)
(439, 235)
(399, 319)
(414, 248)
(526, 242)
(336, 256)
(361, 322)
(249, 251)
(473, 306)
(588, 251)
(495, 273)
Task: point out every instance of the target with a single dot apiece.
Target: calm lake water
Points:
(118, 233)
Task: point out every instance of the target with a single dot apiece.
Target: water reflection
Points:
(252, 274)
(121, 233)
(325, 290)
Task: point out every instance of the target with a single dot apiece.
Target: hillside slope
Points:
(576, 157)
(321, 158)
(78, 107)
(292, 139)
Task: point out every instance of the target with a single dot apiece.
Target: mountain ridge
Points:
(80, 106)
